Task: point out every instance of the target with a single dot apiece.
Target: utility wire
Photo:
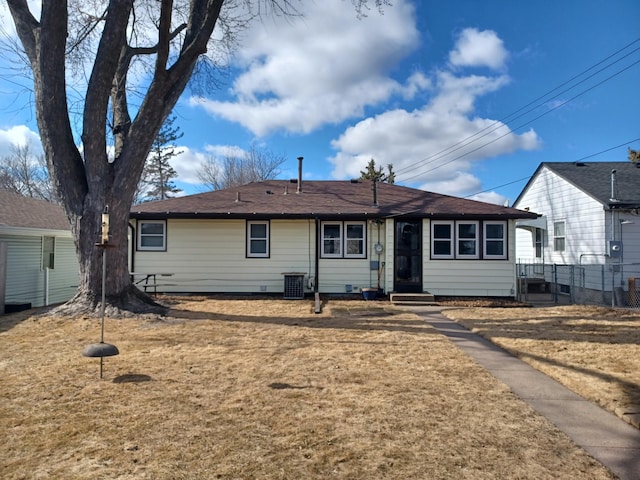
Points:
(575, 161)
(497, 125)
(514, 115)
(511, 132)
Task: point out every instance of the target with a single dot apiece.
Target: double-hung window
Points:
(354, 241)
(332, 239)
(343, 240)
(442, 239)
(558, 236)
(467, 240)
(258, 239)
(152, 235)
(539, 236)
(495, 240)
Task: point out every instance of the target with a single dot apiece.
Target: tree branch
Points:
(27, 26)
(100, 85)
(164, 37)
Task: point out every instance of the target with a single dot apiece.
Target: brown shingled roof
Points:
(278, 198)
(26, 212)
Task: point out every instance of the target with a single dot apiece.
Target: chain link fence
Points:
(612, 284)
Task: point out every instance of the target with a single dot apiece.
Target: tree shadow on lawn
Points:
(574, 328)
(368, 319)
(10, 320)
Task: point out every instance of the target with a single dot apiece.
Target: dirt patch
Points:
(235, 388)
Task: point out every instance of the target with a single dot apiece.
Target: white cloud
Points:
(475, 48)
(323, 68)
(186, 164)
(219, 151)
(19, 135)
(437, 144)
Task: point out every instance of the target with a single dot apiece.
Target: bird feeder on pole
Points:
(102, 349)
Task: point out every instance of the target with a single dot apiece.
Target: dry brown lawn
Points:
(594, 351)
(264, 389)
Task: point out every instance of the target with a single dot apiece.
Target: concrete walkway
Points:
(607, 438)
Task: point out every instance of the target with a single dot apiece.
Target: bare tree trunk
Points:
(121, 295)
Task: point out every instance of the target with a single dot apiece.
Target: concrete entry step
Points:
(413, 298)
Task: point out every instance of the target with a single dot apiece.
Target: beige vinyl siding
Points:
(475, 278)
(210, 256)
(469, 277)
(337, 275)
(585, 226)
(26, 277)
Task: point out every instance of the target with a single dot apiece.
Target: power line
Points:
(511, 132)
(504, 119)
(514, 115)
(575, 161)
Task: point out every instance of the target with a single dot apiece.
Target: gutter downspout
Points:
(133, 246)
(316, 291)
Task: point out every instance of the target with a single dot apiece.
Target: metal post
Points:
(104, 295)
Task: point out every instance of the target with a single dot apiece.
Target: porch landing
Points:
(412, 298)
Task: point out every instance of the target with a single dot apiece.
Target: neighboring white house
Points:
(327, 237)
(37, 256)
(590, 216)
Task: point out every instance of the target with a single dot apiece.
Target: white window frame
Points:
(475, 240)
(250, 238)
(562, 236)
(486, 240)
(48, 252)
(450, 240)
(362, 240)
(342, 241)
(336, 241)
(140, 236)
(538, 242)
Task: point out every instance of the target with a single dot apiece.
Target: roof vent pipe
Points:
(613, 186)
(299, 189)
(237, 196)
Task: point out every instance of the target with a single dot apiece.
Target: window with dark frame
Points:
(465, 235)
(345, 239)
(495, 240)
(467, 240)
(258, 239)
(442, 239)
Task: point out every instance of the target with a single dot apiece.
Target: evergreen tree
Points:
(156, 181)
(377, 174)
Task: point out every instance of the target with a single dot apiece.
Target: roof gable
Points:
(595, 179)
(274, 198)
(26, 212)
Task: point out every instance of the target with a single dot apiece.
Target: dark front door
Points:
(407, 277)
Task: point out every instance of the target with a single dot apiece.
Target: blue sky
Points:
(463, 97)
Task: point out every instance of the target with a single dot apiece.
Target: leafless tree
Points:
(110, 44)
(25, 172)
(254, 165)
